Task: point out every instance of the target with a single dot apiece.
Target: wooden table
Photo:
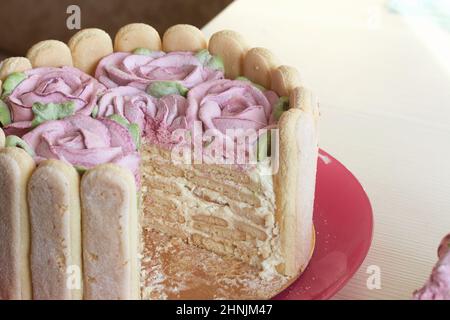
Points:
(384, 88)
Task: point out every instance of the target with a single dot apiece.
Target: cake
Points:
(211, 142)
(437, 286)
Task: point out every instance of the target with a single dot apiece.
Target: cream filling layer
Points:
(224, 209)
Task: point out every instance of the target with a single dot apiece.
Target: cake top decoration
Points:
(139, 70)
(84, 142)
(33, 94)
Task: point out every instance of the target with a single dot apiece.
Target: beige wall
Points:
(25, 22)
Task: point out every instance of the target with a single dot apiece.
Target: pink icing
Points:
(51, 85)
(157, 118)
(438, 286)
(83, 141)
(129, 102)
(227, 104)
(168, 116)
(230, 104)
(219, 104)
(125, 69)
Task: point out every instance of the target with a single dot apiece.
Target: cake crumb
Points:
(173, 269)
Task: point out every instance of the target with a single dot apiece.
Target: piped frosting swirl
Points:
(84, 142)
(51, 85)
(138, 70)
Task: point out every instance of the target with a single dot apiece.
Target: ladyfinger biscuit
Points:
(15, 279)
(258, 66)
(2, 138)
(231, 47)
(183, 37)
(137, 35)
(110, 232)
(14, 64)
(50, 53)
(303, 98)
(55, 214)
(294, 186)
(284, 79)
(88, 47)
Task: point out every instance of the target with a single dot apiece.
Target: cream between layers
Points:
(218, 207)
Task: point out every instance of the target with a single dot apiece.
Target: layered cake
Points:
(110, 148)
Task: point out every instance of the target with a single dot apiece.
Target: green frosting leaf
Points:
(133, 128)
(263, 146)
(13, 80)
(142, 51)
(257, 86)
(160, 89)
(135, 132)
(203, 56)
(51, 111)
(241, 78)
(281, 106)
(120, 120)
(94, 113)
(216, 63)
(15, 141)
(209, 60)
(5, 115)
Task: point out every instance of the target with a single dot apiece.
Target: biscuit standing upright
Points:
(183, 37)
(231, 47)
(137, 35)
(54, 202)
(88, 46)
(14, 64)
(16, 167)
(110, 227)
(50, 53)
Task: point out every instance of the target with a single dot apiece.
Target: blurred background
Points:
(25, 22)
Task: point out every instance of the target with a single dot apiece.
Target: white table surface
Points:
(384, 88)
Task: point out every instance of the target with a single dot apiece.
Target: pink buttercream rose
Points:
(83, 141)
(230, 104)
(222, 105)
(126, 69)
(51, 85)
(438, 285)
(168, 115)
(129, 102)
(157, 118)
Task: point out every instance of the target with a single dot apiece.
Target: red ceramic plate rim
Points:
(336, 173)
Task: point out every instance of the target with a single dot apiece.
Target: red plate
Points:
(343, 221)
